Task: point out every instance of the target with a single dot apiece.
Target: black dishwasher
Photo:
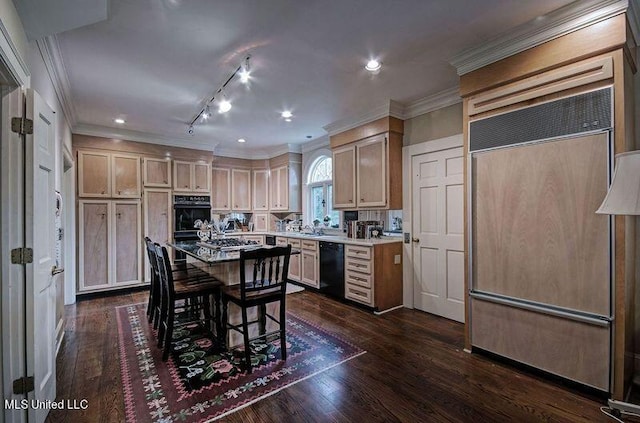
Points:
(332, 269)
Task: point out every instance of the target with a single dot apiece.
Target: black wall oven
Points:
(186, 210)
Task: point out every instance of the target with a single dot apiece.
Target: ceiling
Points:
(155, 62)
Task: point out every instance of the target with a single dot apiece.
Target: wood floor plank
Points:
(414, 370)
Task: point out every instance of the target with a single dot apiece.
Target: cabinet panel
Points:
(94, 174)
(201, 177)
(221, 192)
(260, 190)
(279, 188)
(241, 189)
(260, 222)
(93, 248)
(181, 176)
(358, 293)
(157, 219)
(126, 243)
(371, 171)
(295, 267)
(126, 176)
(309, 268)
(156, 172)
(344, 175)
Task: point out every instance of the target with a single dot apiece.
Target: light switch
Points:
(397, 259)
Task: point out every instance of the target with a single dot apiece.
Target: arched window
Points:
(321, 194)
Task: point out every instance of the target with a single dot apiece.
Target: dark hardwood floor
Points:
(414, 371)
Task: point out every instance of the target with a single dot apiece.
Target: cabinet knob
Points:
(164, 182)
(415, 239)
(102, 192)
(362, 199)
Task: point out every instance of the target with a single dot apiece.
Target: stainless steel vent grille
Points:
(572, 115)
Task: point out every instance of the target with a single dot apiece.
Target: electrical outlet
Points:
(397, 259)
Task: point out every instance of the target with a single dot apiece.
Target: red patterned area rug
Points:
(200, 383)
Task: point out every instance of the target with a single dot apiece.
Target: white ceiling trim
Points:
(257, 153)
(127, 134)
(10, 55)
(433, 102)
(50, 52)
(572, 17)
(388, 108)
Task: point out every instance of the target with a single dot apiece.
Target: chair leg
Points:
(262, 319)
(168, 336)
(150, 304)
(283, 332)
(217, 314)
(222, 335)
(245, 333)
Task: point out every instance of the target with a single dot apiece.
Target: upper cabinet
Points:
(344, 175)
(156, 172)
(221, 189)
(367, 171)
(279, 189)
(261, 190)
(241, 189)
(191, 176)
(108, 175)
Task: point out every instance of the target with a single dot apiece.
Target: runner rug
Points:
(200, 382)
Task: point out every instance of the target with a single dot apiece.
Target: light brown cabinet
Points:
(108, 175)
(221, 189)
(295, 261)
(157, 209)
(241, 189)
(156, 172)
(371, 169)
(191, 176)
(260, 222)
(109, 244)
(279, 189)
(358, 274)
(344, 175)
(261, 190)
(309, 274)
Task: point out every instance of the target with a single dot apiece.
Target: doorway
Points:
(434, 210)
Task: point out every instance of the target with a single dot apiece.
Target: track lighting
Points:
(224, 105)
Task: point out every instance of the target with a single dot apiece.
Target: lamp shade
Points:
(624, 193)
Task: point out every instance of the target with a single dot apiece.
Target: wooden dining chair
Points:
(266, 283)
(197, 290)
(180, 272)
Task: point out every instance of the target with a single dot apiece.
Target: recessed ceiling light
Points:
(287, 114)
(287, 120)
(373, 65)
(242, 140)
(119, 121)
(224, 106)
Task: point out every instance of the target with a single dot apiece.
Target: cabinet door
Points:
(182, 176)
(309, 268)
(94, 174)
(156, 172)
(126, 176)
(372, 172)
(157, 219)
(201, 177)
(93, 244)
(240, 189)
(126, 243)
(273, 189)
(260, 222)
(344, 175)
(221, 183)
(260, 190)
(280, 188)
(295, 267)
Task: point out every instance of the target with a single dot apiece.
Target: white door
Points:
(437, 233)
(40, 236)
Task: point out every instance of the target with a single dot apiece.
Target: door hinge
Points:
(22, 125)
(24, 385)
(22, 255)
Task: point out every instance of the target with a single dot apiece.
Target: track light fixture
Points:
(224, 105)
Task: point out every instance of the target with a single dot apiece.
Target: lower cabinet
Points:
(109, 244)
(358, 271)
(295, 266)
(309, 274)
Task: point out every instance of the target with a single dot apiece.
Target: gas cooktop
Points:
(228, 243)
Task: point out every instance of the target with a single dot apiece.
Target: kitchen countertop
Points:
(330, 238)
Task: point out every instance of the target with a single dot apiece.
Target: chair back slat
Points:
(270, 268)
(165, 273)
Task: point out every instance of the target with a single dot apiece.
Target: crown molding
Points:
(388, 108)
(570, 18)
(130, 135)
(315, 144)
(53, 62)
(257, 153)
(433, 102)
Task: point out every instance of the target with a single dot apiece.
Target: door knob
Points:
(415, 239)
